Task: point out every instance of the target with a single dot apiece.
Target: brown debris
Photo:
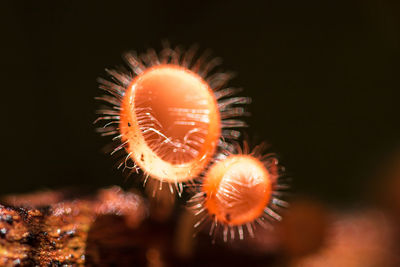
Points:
(56, 235)
(112, 228)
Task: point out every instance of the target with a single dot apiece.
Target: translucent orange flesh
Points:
(171, 121)
(238, 189)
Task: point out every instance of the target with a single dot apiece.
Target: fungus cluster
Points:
(174, 119)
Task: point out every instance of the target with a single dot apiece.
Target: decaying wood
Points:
(117, 228)
(111, 228)
(56, 234)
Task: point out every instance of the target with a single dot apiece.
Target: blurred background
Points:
(323, 76)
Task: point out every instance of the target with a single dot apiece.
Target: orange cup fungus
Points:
(237, 191)
(171, 123)
(169, 114)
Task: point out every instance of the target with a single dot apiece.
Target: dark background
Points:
(321, 74)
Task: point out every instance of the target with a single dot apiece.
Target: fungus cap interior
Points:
(171, 121)
(238, 189)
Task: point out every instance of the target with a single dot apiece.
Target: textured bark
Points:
(56, 234)
(115, 228)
